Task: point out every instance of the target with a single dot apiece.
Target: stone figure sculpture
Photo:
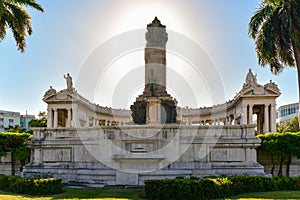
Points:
(69, 81)
(156, 35)
(250, 78)
(50, 92)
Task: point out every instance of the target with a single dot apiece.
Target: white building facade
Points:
(287, 112)
(9, 119)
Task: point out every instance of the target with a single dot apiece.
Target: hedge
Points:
(40, 186)
(216, 187)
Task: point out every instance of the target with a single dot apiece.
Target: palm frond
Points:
(258, 19)
(295, 17)
(2, 29)
(18, 20)
(275, 27)
(283, 34)
(14, 16)
(29, 3)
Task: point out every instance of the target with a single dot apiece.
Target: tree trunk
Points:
(282, 158)
(297, 59)
(288, 165)
(273, 165)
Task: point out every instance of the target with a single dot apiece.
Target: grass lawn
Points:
(269, 195)
(82, 193)
(135, 194)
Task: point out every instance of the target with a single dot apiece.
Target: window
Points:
(62, 117)
(1, 123)
(21, 124)
(11, 122)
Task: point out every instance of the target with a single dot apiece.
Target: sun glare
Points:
(137, 14)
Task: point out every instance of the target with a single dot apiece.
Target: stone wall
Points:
(264, 159)
(131, 154)
(6, 165)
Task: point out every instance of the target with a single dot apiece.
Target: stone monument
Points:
(91, 145)
(155, 105)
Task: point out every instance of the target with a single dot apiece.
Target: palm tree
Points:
(275, 27)
(13, 16)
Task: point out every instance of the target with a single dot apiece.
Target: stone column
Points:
(74, 121)
(266, 120)
(234, 119)
(95, 122)
(55, 118)
(69, 118)
(273, 118)
(259, 124)
(244, 115)
(250, 114)
(231, 120)
(50, 118)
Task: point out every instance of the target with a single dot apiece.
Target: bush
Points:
(30, 186)
(4, 184)
(216, 187)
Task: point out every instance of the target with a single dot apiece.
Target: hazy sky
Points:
(69, 32)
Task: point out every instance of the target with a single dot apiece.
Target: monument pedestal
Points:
(153, 111)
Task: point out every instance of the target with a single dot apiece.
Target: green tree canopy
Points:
(17, 144)
(11, 141)
(282, 145)
(275, 27)
(13, 16)
(291, 125)
(40, 122)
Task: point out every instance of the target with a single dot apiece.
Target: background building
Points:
(9, 119)
(287, 112)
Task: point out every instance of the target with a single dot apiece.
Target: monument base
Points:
(129, 155)
(154, 110)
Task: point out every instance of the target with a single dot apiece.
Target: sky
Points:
(79, 36)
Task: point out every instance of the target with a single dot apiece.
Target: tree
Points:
(291, 125)
(15, 17)
(17, 144)
(279, 128)
(281, 145)
(17, 129)
(275, 27)
(40, 122)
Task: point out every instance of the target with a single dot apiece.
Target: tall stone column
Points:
(259, 123)
(273, 118)
(250, 114)
(55, 118)
(155, 59)
(69, 117)
(155, 81)
(50, 118)
(244, 116)
(266, 120)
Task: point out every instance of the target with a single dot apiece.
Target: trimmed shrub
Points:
(4, 184)
(216, 187)
(30, 186)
